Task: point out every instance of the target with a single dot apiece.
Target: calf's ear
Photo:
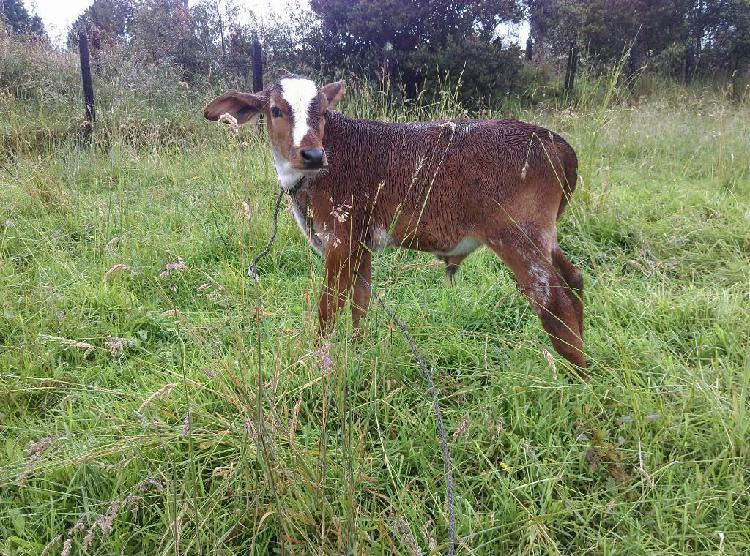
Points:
(242, 106)
(333, 92)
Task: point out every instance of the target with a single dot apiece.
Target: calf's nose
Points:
(313, 158)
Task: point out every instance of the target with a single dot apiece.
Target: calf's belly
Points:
(464, 247)
(440, 247)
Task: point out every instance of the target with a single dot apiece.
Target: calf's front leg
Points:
(343, 263)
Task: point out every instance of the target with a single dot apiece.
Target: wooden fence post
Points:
(570, 70)
(88, 87)
(257, 66)
(689, 65)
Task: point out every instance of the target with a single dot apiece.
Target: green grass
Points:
(217, 430)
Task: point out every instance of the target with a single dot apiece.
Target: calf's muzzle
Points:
(312, 158)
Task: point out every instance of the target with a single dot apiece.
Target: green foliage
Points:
(676, 37)
(15, 16)
(162, 31)
(106, 21)
(486, 72)
(419, 46)
(416, 40)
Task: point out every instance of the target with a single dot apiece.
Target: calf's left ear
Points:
(333, 92)
(242, 106)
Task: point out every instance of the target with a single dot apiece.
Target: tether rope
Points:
(425, 370)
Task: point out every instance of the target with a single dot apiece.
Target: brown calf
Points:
(442, 187)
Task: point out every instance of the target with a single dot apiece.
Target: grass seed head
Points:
(160, 393)
(41, 445)
(175, 266)
(186, 425)
(117, 346)
(117, 269)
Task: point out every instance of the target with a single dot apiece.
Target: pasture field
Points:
(155, 400)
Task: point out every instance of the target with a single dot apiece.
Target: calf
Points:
(442, 187)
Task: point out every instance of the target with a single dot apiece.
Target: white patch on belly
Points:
(379, 239)
(463, 247)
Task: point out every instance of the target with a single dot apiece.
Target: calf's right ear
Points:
(242, 106)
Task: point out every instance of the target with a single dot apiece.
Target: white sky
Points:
(58, 15)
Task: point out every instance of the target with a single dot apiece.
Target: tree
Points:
(605, 28)
(163, 31)
(417, 37)
(106, 21)
(720, 33)
(676, 36)
(15, 15)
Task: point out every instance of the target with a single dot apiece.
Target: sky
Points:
(59, 14)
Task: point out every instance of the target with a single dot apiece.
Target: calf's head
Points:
(294, 108)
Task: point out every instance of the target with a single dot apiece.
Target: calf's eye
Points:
(275, 112)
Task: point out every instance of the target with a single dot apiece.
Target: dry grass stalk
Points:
(405, 534)
(550, 361)
(162, 392)
(87, 347)
(67, 547)
(112, 243)
(295, 416)
(117, 269)
(186, 424)
(41, 445)
(325, 358)
(173, 313)
(462, 429)
(246, 211)
(50, 544)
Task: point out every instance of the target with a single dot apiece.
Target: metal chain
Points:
(427, 374)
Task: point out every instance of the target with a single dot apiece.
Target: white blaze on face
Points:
(299, 94)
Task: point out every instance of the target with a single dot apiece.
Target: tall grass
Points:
(156, 401)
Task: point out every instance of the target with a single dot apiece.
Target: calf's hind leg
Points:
(362, 291)
(531, 262)
(574, 280)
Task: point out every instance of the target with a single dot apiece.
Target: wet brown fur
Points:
(431, 185)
